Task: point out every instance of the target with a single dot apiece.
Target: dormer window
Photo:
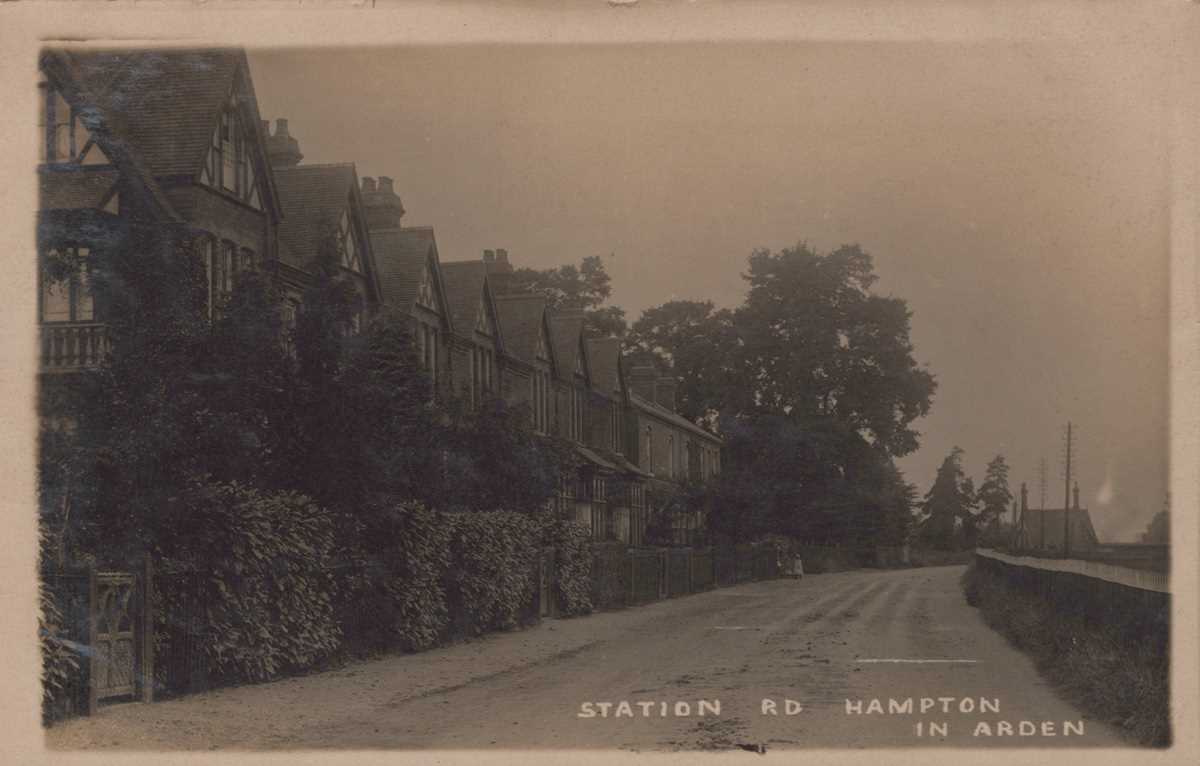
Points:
(229, 166)
(62, 136)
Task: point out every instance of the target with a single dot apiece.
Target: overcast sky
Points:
(1015, 195)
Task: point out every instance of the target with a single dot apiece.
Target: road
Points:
(825, 642)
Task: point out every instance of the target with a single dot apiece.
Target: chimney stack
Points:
(642, 381)
(283, 150)
(381, 203)
(499, 270)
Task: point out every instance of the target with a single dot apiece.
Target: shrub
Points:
(59, 663)
(573, 566)
(256, 567)
(494, 559)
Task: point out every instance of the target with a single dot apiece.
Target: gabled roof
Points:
(105, 127)
(522, 319)
(165, 103)
(604, 360)
(401, 255)
(1082, 532)
(467, 292)
(566, 333)
(674, 418)
(313, 197)
(75, 189)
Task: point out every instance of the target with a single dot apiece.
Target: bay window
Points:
(67, 296)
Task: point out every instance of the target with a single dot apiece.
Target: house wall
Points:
(224, 218)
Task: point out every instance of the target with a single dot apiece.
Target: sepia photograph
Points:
(631, 396)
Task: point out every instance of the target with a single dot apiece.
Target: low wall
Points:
(1137, 602)
(623, 576)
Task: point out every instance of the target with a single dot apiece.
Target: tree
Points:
(946, 502)
(585, 287)
(815, 342)
(994, 496)
(692, 341)
(1158, 531)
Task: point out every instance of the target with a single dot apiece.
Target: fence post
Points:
(147, 630)
(93, 664)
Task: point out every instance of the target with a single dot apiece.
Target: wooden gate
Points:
(121, 637)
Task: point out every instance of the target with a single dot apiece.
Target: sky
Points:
(1014, 193)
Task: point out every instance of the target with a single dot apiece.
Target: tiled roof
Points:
(312, 197)
(74, 189)
(400, 257)
(604, 359)
(521, 321)
(106, 127)
(1082, 531)
(566, 329)
(168, 100)
(464, 289)
(674, 418)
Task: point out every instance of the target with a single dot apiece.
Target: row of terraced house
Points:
(172, 142)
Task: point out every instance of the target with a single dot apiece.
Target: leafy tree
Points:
(815, 342)
(692, 341)
(586, 287)
(498, 463)
(1158, 531)
(948, 501)
(994, 495)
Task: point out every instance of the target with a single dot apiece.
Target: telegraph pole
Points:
(1067, 500)
(1042, 483)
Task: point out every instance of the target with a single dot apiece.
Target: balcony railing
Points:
(73, 347)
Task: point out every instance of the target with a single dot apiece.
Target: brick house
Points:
(171, 143)
(162, 145)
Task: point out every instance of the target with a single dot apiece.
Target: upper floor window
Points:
(66, 294)
(648, 458)
(62, 136)
(229, 165)
(671, 455)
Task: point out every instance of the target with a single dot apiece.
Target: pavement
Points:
(694, 673)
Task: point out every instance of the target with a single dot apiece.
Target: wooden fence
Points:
(624, 576)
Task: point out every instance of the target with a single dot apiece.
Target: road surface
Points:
(831, 644)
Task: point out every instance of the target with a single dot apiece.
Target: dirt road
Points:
(829, 643)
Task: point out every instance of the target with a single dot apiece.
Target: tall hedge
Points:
(493, 570)
(255, 567)
(573, 566)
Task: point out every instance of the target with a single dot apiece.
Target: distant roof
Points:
(566, 329)
(464, 288)
(674, 418)
(1032, 528)
(521, 321)
(400, 258)
(604, 359)
(312, 196)
(168, 99)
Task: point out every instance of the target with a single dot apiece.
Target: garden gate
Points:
(121, 634)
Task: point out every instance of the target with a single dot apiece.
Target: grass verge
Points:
(1110, 674)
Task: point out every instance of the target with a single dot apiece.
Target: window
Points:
(671, 455)
(287, 315)
(62, 136)
(347, 244)
(229, 166)
(67, 296)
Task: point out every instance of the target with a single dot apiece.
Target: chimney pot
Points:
(266, 126)
(368, 184)
(281, 127)
(385, 185)
(489, 256)
(501, 255)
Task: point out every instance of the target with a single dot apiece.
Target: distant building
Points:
(1043, 529)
